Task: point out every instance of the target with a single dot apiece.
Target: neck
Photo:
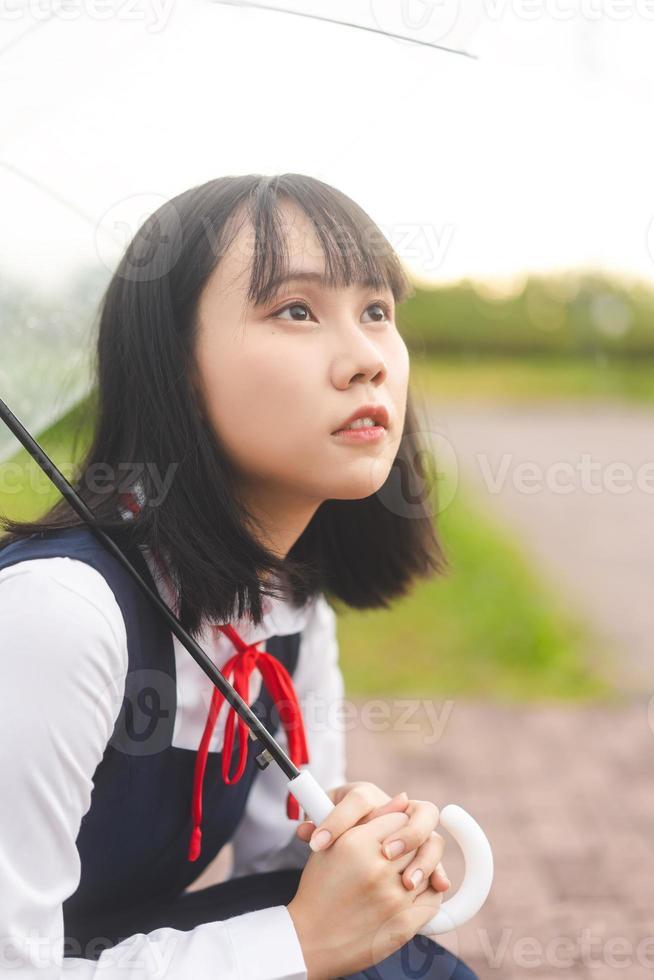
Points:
(278, 522)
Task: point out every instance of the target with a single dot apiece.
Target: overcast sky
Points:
(538, 155)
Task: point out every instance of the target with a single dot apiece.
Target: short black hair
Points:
(363, 552)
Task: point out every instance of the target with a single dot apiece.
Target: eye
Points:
(379, 304)
(384, 307)
(291, 306)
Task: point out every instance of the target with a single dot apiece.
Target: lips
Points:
(377, 412)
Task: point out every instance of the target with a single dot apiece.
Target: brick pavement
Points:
(566, 796)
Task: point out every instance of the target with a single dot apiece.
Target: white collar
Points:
(280, 616)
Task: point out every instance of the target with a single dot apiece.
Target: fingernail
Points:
(417, 877)
(394, 848)
(320, 839)
(446, 881)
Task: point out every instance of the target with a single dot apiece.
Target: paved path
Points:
(577, 485)
(565, 796)
(565, 793)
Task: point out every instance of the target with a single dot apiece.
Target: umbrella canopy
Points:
(111, 115)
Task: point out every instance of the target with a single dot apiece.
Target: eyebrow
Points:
(301, 275)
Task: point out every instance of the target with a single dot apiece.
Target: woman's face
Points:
(275, 382)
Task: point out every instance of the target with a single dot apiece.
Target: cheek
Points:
(400, 366)
(260, 407)
(397, 381)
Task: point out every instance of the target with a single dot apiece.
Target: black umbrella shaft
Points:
(196, 651)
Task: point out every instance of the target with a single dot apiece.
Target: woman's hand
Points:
(360, 802)
(351, 910)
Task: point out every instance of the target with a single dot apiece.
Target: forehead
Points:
(255, 261)
(302, 247)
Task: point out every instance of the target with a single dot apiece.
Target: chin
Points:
(356, 489)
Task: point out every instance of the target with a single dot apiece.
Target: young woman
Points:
(250, 319)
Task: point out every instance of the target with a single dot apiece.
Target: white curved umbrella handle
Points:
(477, 853)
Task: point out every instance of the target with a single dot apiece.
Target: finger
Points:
(424, 863)
(305, 829)
(396, 804)
(357, 803)
(439, 879)
(425, 906)
(376, 830)
(338, 792)
(423, 818)
(421, 887)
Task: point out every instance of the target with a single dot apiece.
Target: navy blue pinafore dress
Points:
(133, 840)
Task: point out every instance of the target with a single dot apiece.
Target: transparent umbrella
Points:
(110, 115)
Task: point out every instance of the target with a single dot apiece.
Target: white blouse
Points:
(64, 656)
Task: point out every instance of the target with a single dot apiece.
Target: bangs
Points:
(355, 250)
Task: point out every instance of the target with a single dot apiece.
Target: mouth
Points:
(360, 436)
(373, 416)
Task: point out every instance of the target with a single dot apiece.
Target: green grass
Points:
(25, 491)
(489, 628)
(529, 378)
(579, 313)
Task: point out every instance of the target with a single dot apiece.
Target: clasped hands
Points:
(360, 802)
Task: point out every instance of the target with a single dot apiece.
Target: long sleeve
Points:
(265, 839)
(64, 661)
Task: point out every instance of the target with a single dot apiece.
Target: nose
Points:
(363, 361)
